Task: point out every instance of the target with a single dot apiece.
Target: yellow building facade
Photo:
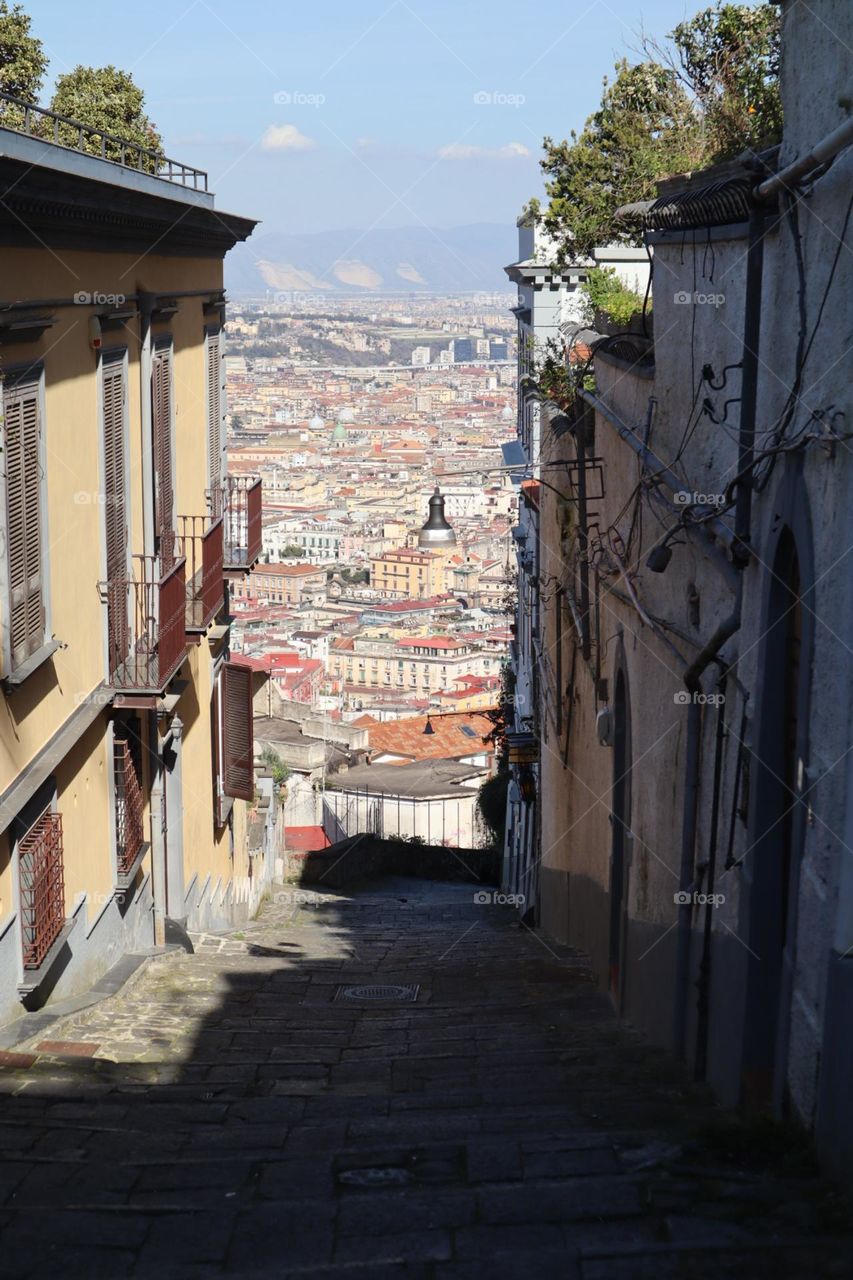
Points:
(126, 769)
(408, 574)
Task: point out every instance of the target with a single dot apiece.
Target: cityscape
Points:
(426, 804)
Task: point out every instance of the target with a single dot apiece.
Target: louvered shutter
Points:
(238, 748)
(161, 416)
(115, 510)
(24, 534)
(214, 411)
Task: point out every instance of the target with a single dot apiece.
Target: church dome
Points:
(346, 415)
(316, 423)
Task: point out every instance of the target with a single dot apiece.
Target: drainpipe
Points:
(146, 306)
(749, 386)
(158, 831)
(703, 1004)
(741, 556)
(686, 880)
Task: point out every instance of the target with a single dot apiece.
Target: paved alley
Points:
(472, 1109)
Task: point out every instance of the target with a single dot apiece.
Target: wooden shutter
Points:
(161, 419)
(23, 521)
(214, 411)
(115, 509)
(238, 747)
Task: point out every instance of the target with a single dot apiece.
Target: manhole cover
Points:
(409, 992)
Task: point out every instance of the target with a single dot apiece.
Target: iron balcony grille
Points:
(129, 806)
(239, 502)
(48, 126)
(203, 548)
(42, 888)
(154, 601)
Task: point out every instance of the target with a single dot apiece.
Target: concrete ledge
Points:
(32, 1024)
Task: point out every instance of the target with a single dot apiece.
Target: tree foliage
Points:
(108, 99)
(706, 96)
(273, 762)
(492, 806)
(603, 291)
(645, 127)
(729, 56)
(23, 61)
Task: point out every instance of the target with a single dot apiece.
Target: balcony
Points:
(147, 625)
(202, 545)
(239, 503)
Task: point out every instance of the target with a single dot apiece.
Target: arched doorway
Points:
(620, 822)
(773, 863)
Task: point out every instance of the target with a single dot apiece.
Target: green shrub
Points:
(604, 292)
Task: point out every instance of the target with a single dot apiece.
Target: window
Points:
(161, 426)
(214, 409)
(26, 542)
(233, 737)
(129, 803)
(42, 886)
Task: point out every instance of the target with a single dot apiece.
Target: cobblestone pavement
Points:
(225, 1114)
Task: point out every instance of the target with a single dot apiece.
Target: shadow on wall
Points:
(366, 857)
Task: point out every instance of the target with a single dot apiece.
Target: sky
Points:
(364, 113)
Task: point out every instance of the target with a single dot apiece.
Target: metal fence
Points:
(49, 126)
(441, 820)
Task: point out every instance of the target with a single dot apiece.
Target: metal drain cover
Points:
(407, 992)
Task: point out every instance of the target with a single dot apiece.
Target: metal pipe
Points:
(692, 681)
(821, 153)
(749, 384)
(146, 306)
(703, 1003)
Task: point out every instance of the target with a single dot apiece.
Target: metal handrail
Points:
(160, 166)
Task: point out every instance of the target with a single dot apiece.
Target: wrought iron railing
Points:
(129, 806)
(240, 502)
(155, 600)
(42, 888)
(202, 546)
(49, 126)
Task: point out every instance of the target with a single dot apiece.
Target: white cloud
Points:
(464, 151)
(285, 137)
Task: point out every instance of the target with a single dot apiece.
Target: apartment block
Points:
(125, 728)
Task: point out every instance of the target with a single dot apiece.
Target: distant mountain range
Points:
(402, 260)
